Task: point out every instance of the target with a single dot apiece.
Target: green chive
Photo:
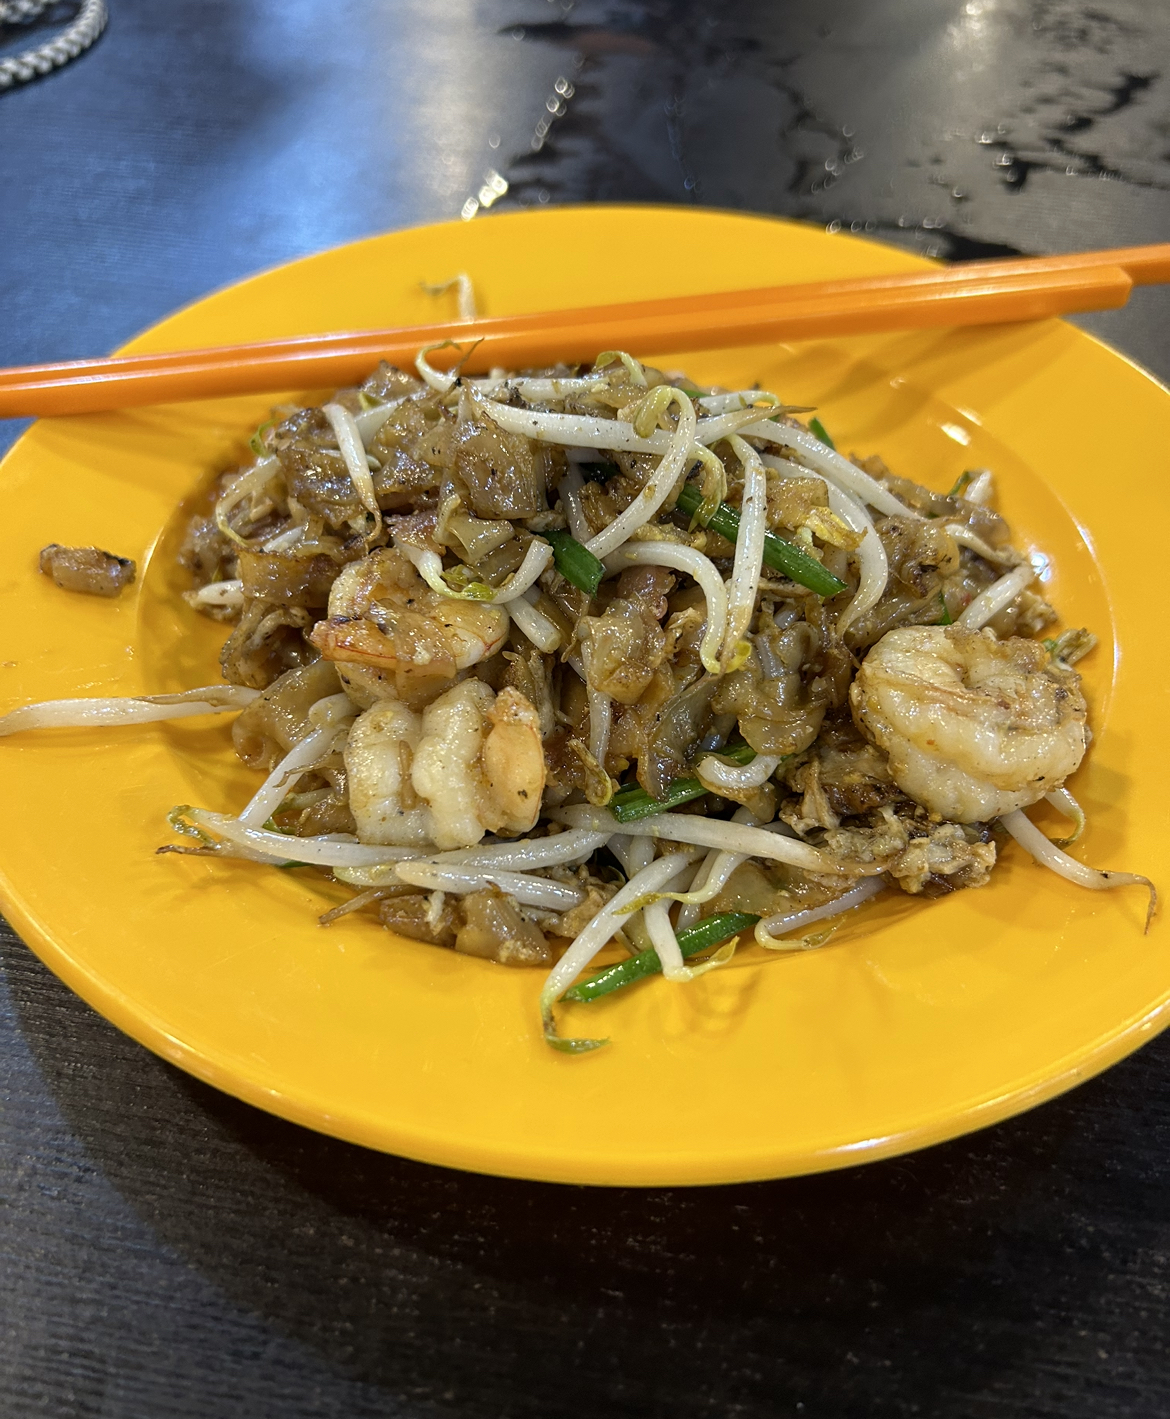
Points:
(631, 802)
(706, 934)
(781, 556)
(816, 427)
(575, 562)
(960, 483)
(946, 619)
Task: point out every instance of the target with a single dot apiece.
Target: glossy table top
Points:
(169, 1251)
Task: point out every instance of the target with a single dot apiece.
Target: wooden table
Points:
(167, 1251)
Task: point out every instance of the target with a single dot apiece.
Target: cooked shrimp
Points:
(513, 764)
(974, 727)
(471, 762)
(391, 635)
(378, 756)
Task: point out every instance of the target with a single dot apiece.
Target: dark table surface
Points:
(169, 1251)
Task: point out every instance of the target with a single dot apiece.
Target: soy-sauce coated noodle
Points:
(492, 676)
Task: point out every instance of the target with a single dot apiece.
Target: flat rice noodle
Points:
(267, 729)
(774, 712)
(320, 482)
(493, 928)
(268, 640)
(649, 587)
(766, 888)
(87, 569)
(285, 577)
(411, 916)
(389, 382)
(477, 537)
(402, 480)
(330, 814)
(407, 424)
(677, 728)
(206, 553)
(503, 473)
(625, 645)
(920, 551)
(314, 471)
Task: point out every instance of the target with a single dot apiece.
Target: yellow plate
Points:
(920, 1021)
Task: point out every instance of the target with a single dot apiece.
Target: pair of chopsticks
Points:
(984, 293)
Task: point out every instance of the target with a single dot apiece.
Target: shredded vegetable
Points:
(709, 932)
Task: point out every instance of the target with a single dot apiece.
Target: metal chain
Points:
(44, 58)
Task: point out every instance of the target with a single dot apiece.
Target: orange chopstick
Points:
(983, 293)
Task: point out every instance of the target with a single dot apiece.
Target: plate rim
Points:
(1076, 1068)
(142, 1025)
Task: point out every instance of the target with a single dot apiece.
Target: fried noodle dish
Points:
(546, 663)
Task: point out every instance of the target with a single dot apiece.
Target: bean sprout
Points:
(464, 294)
(533, 622)
(966, 538)
(749, 550)
(658, 487)
(664, 941)
(429, 565)
(713, 875)
(251, 481)
(329, 715)
(578, 430)
(771, 927)
(700, 568)
(284, 541)
(349, 441)
(131, 709)
(712, 484)
(999, 594)
(633, 853)
(1033, 841)
(741, 399)
(633, 367)
(704, 832)
(594, 936)
(584, 431)
(528, 891)
(570, 491)
(327, 850)
(722, 426)
(730, 779)
(218, 593)
(981, 487)
(1063, 801)
(873, 564)
(438, 381)
(369, 421)
(835, 468)
(525, 854)
(600, 714)
(538, 391)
